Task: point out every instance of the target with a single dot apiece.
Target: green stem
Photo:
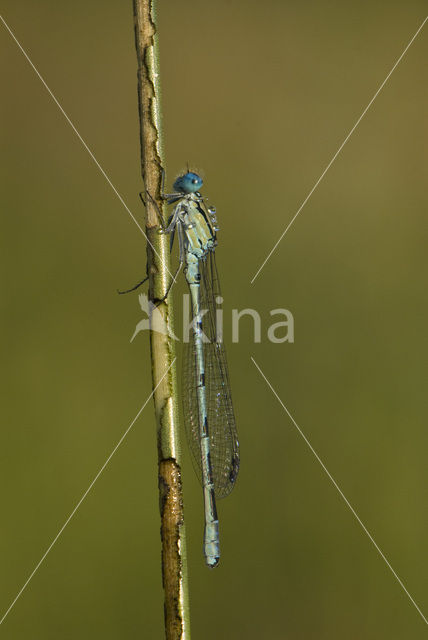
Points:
(174, 562)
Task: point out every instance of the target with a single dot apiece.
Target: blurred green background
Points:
(259, 95)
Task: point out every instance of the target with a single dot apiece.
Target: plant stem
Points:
(174, 561)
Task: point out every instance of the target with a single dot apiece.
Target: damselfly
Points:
(208, 411)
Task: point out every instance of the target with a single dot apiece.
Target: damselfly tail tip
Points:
(212, 563)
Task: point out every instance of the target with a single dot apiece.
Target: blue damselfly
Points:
(208, 410)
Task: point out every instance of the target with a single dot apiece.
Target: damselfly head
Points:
(188, 183)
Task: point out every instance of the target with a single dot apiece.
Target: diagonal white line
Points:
(81, 139)
(82, 498)
(338, 151)
(342, 495)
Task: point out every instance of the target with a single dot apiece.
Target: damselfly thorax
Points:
(195, 226)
